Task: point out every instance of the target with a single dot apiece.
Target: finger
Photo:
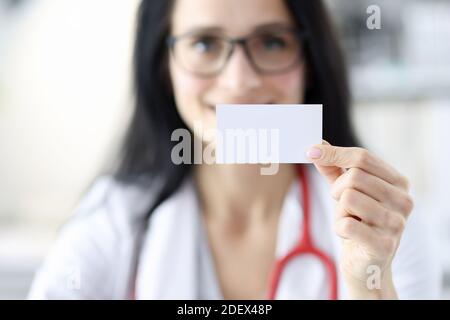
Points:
(355, 157)
(351, 229)
(331, 173)
(390, 196)
(370, 211)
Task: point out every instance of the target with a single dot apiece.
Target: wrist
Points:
(372, 288)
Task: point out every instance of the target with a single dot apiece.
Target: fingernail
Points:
(314, 153)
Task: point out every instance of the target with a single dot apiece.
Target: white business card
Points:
(272, 133)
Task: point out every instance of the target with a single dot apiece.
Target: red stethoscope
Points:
(305, 246)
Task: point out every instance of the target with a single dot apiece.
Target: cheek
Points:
(188, 91)
(289, 86)
(186, 85)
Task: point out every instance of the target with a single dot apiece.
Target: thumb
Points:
(331, 173)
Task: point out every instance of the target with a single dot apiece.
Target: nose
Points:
(239, 75)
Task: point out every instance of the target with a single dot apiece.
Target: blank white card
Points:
(267, 133)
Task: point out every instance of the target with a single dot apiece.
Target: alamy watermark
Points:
(374, 279)
(255, 146)
(73, 278)
(373, 21)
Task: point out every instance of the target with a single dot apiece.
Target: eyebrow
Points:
(258, 28)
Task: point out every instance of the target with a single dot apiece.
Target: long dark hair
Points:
(147, 145)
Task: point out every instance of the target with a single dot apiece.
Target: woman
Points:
(160, 230)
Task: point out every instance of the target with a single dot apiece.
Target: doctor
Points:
(155, 230)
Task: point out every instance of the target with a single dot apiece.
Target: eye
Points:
(205, 44)
(273, 43)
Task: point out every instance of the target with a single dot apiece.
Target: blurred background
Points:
(65, 102)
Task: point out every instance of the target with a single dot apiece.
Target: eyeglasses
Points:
(269, 51)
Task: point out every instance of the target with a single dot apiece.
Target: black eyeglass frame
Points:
(301, 35)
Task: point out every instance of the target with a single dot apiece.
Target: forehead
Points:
(234, 17)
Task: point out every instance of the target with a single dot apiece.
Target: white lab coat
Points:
(104, 251)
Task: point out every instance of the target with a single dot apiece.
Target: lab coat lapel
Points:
(168, 267)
